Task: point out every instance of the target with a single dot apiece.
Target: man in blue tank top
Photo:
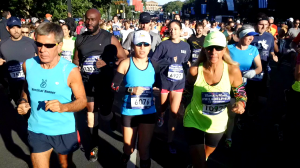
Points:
(50, 82)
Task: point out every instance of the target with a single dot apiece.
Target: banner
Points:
(203, 8)
(230, 5)
(192, 11)
(262, 3)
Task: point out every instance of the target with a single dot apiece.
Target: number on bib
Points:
(214, 102)
(89, 65)
(175, 72)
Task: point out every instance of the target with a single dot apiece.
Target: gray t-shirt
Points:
(293, 32)
(15, 53)
(128, 43)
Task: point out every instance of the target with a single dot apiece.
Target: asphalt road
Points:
(259, 145)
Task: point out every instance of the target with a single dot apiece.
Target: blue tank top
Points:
(142, 104)
(45, 85)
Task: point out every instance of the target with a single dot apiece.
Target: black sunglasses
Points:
(143, 43)
(217, 48)
(38, 44)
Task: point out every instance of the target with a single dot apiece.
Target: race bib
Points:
(142, 101)
(16, 71)
(195, 54)
(214, 102)
(89, 65)
(67, 55)
(175, 72)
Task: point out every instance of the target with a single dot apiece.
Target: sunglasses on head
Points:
(143, 43)
(38, 44)
(217, 48)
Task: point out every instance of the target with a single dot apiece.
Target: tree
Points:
(173, 6)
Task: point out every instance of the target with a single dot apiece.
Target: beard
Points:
(16, 35)
(95, 28)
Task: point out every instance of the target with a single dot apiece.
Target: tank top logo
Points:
(43, 84)
(175, 59)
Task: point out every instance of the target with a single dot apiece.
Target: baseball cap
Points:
(13, 21)
(248, 32)
(271, 18)
(215, 38)
(145, 17)
(291, 19)
(141, 36)
(48, 15)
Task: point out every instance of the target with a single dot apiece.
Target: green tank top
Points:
(208, 108)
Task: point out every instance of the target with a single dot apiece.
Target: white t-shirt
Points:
(155, 31)
(125, 34)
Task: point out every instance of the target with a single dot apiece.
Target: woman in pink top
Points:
(78, 28)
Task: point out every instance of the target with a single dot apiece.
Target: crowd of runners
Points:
(207, 74)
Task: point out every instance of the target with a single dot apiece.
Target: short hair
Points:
(296, 20)
(199, 24)
(177, 14)
(47, 28)
(177, 22)
(25, 26)
(5, 14)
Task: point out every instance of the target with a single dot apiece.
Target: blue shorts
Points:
(62, 144)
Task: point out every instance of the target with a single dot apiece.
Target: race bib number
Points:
(89, 65)
(175, 72)
(67, 55)
(214, 102)
(195, 54)
(16, 71)
(142, 101)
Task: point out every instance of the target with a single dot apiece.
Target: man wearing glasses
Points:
(293, 32)
(49, 85)
(14, 51)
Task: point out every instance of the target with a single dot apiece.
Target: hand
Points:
(2, 61)
(138, 90)
(249, 74)
(238, 108)
(54, 106)
(275, 58)
(23, 108)
(100, 63)
(189, 63)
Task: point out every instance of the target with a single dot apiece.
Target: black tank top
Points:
(92, 47)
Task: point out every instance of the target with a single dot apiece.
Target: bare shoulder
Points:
(193, 70)
(233, 69)
(124, 65)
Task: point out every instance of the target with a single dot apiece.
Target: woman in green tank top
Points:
(212, 77)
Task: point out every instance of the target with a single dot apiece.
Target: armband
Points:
(240, 94)
(118, 78)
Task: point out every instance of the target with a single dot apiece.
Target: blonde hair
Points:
(226, 57)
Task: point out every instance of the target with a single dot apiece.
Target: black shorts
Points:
(62, 144)
(136, 120)
(198, 137)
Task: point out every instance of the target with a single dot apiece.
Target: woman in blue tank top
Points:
(138, 109)
(247, 56)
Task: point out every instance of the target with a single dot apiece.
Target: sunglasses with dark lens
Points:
(38, 44)
(143, 43)
(217, 48)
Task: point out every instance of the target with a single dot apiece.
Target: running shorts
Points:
(62, 144)
(198, 137)
(167, 91)
(136, 120)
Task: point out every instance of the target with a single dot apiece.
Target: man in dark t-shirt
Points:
(196, 43)
(14, 51)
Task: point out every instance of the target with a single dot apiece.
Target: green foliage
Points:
(173, 6)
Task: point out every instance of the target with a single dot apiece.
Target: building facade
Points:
(152, 6)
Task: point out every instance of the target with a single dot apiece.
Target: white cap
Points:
(291, 19)
(141, 36)
(61, 21)
(238, 21)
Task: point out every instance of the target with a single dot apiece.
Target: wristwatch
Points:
(130, 90)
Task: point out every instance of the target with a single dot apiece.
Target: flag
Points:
(230, 5)
(262, 3)
(203, 8)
